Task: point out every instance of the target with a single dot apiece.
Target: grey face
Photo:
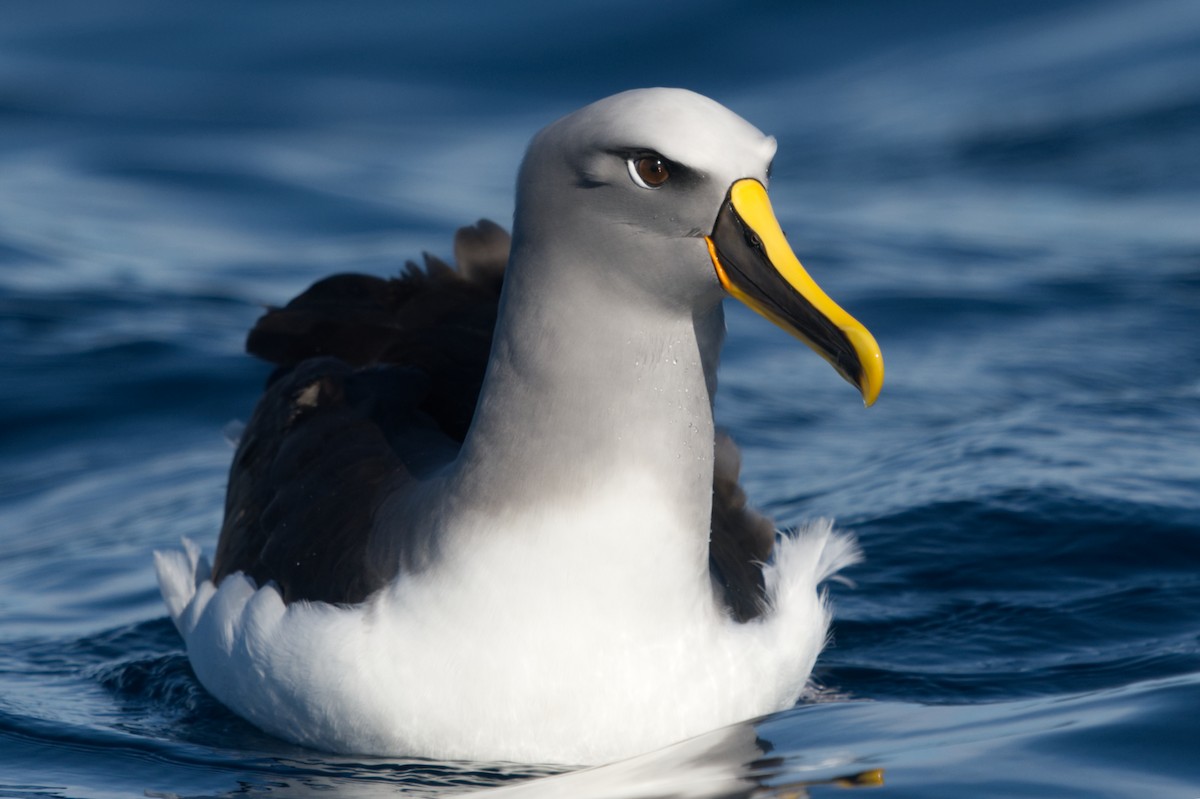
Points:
(622, 198)
(580, 177)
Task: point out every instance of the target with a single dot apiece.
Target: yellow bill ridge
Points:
(756, 265)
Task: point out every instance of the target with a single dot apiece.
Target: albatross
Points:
(483, 512)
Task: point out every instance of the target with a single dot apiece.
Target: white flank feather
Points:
(480, 661)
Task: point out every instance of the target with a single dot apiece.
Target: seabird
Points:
(484, 512)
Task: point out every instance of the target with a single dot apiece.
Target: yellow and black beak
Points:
(756, 265)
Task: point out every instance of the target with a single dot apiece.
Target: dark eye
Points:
(649, 171)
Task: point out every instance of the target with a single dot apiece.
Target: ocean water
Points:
(1008, 195)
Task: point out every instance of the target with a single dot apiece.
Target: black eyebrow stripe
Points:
(679, 172)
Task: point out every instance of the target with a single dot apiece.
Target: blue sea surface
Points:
(1006, 194)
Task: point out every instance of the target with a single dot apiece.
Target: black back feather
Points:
(376, 383)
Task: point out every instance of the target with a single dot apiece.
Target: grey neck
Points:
(587, 386)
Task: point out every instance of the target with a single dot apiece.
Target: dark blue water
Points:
(1008, 195)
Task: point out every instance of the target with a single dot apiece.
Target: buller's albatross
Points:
(485, 513)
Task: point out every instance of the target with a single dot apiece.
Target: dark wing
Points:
(742, 539)
(376, 384)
